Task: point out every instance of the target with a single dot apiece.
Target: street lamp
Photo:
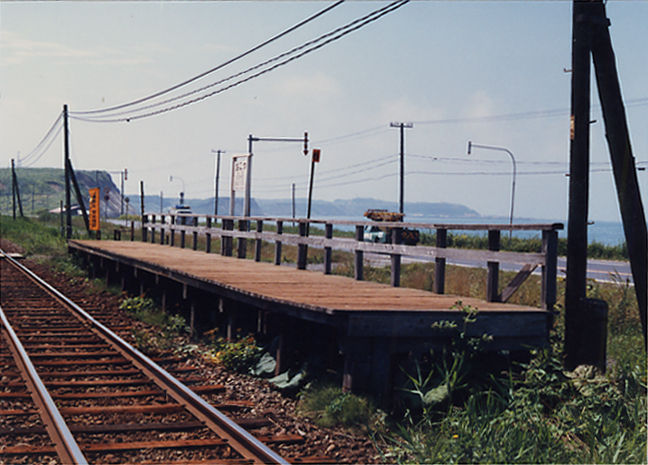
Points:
(171, 178)
(501, 149)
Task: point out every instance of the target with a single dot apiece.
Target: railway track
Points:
(73, 391)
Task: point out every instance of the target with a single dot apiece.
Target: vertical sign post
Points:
(240, 180)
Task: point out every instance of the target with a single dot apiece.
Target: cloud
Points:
(17, 50)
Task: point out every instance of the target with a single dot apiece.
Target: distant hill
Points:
(46, 186)
(320, 208)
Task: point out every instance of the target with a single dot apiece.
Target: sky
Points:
(495, 73)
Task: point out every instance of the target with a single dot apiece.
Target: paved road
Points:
(599, 270)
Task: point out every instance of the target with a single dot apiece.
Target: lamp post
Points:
(171, 178)
(501, 149)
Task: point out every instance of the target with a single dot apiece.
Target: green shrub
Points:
(240, 355)
(328, 406)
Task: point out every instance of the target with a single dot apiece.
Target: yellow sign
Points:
(94, 209)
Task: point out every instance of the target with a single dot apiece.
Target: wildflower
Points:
(455, 436)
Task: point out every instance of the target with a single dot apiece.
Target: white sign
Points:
(239, 172)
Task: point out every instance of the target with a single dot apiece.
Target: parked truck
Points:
(383, 234)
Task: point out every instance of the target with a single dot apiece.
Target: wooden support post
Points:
(153, 229)
(195, 233)
(144, 230)
(396, 236)
(132, 231)
(440, 263)
(359, 255)
(208, 235)
(277, 260)
(328, 251)
(258, 242)
(192, 319)
(280, 359)
(183, 236)
(492, 283)
(164, 299)
(162, 222)
(623, 162)
(549, 269)
(302, 249)
(172, 231)
(231, 326)
(226, 241)
(242, 243)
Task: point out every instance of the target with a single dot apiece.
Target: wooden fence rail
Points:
(223, 227)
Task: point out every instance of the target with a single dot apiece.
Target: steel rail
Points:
(64, 443)
(237, 437)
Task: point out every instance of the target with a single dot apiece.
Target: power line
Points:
(383, 11)
(38, 151)
(216, 68)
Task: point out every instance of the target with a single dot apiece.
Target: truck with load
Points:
(383, 235)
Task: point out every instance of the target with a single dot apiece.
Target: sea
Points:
(604, 232)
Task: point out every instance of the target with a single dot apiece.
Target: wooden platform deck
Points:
(300, 288)
(371, 324)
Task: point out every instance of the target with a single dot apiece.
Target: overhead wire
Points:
(37, 152)
(358, 24)
(215, 68)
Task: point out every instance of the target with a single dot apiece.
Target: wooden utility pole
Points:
(66, 159)
(15, 191)
(402, 127)
(623, 162)
(591, 37)
(578, 183)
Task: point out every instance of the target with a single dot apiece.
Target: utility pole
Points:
(16, 191)
(216, 178)
(66, 164)
(402, 127)
(161, 202)
(124, 177)
(293, 201)
(579, 135)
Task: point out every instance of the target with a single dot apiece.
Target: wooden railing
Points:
(167, 226)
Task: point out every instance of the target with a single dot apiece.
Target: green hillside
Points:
(43, 188)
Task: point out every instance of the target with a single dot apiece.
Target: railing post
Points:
(242, 242)
(144, 231)
(396, 236)
(277, 259)
(302, 249)
(226, 241)
(492, 283)
(162, 219)
(549, 269)
(153, 229)
(172, 231)
(208, 235)
(328, 233)
(359, 255)
(195, 233)
(440, 263)
(132, 231)
(183, 233)
(258, 243)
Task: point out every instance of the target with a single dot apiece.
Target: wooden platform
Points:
(366, 317)
(308, 289)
